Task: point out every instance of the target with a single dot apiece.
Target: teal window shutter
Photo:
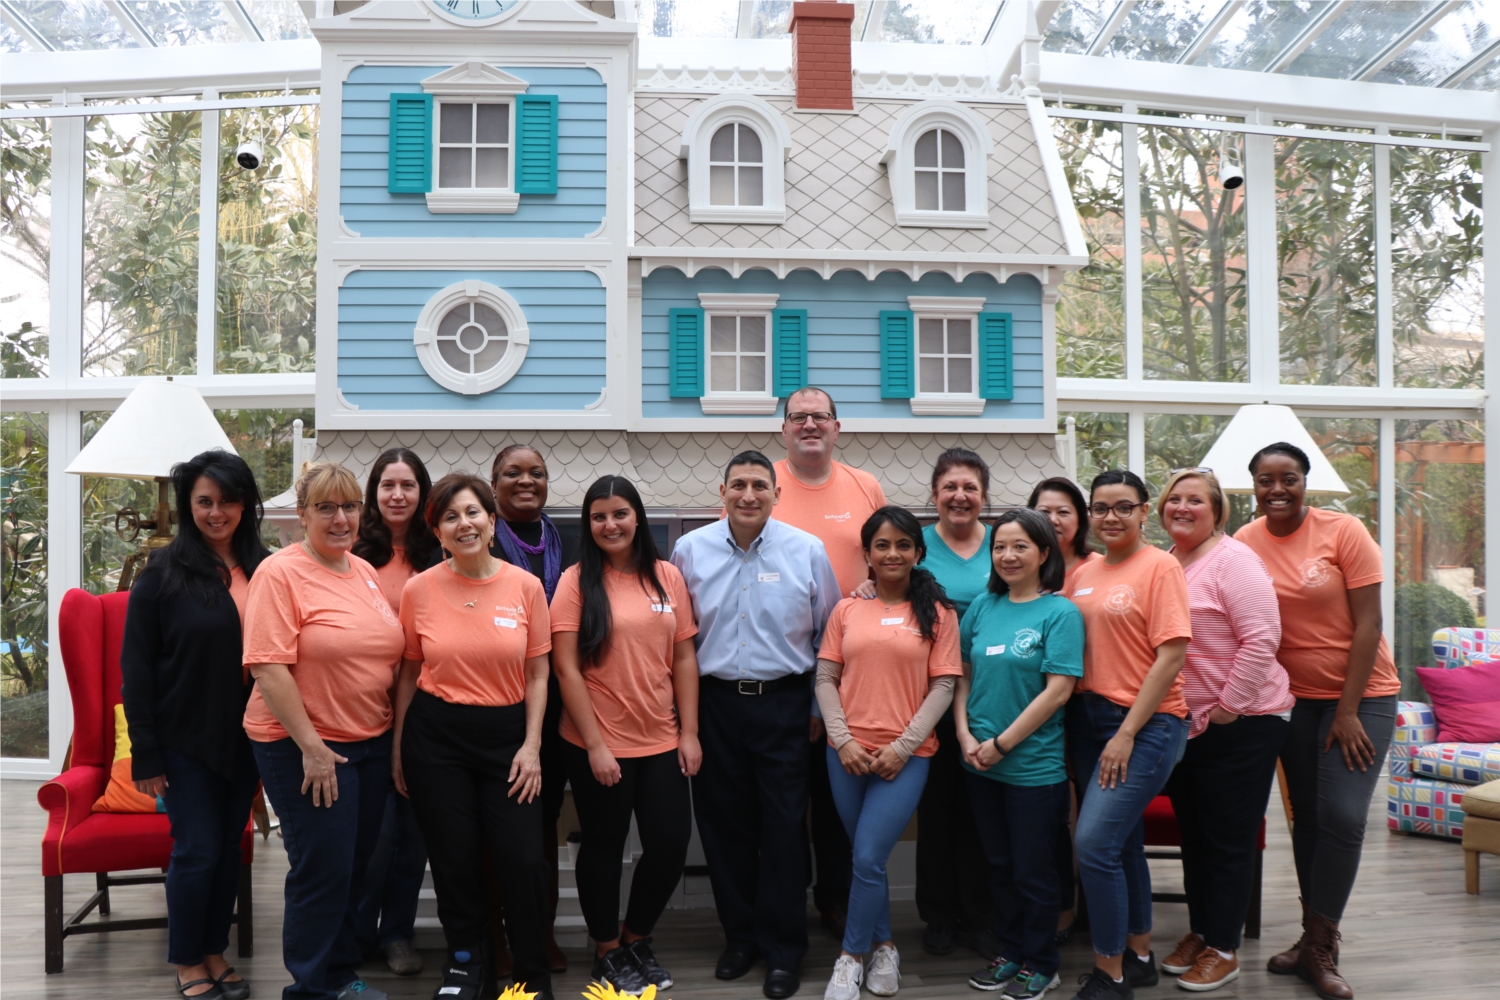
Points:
(996, 366)
(410, 170)
(897, 379)
(685, 353)
(788, 350)
(536, 144)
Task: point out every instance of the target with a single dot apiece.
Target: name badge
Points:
(372, 584)
(994, 650)
(770, 578)
(1084, 592)
(661, 608)
(505, 622)
(892, 621)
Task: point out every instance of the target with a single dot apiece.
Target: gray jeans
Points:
(1330, 803)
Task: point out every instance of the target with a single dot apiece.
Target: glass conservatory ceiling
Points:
(1430, 43)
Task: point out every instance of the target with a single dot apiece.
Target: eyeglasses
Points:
(1124, 508)
(818, 417)
(328, 508)
(1192, 468)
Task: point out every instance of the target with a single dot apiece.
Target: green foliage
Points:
(1091, 308)
(23, 581)
(25, 245)
(1422, 609)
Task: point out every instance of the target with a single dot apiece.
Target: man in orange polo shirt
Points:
(831, 501)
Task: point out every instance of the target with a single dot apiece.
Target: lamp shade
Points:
(158, 425)
(1256, 426)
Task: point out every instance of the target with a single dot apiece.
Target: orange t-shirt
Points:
(887, 665)
(475, 636)
(340, 638)
(631, 685)
(833, 513)
(1070, 575)
(1129, 609)
(1313, 569)
(393, 576)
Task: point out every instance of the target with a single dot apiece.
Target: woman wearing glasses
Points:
(1237, 694)
(1126, 727)
(323, 647)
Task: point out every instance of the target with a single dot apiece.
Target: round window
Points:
(472, 338)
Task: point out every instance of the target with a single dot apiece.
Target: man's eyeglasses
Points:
(328, 508)
(1124, 508)
(818, 417)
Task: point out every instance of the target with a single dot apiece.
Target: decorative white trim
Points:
(977, 142)
(517, 332)
(343, 403)
(452, 201)
(726, 301)
(776, 146)
(603, 395)
(947, 406)
(1048, 269)
(741, 403)
(474, 79)
(946, 304)
(680, 78)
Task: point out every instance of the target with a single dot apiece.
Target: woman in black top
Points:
(528, 538)
(184, 693)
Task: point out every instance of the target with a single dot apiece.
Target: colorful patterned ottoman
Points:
(1458, 647)
(1465, 763)
(1421, 805)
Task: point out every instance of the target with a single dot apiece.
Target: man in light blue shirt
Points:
(762, 592)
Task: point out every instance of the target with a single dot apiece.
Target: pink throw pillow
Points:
(1466, 701)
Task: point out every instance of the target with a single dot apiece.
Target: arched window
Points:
(471, 337)
(736, 147)
(939, 165)
(736, 175)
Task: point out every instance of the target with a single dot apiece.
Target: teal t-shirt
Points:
(1011, 648)
(963, 579)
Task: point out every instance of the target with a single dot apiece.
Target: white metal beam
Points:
(13, 17)
(1491, 197)
(240, 13)
(747, 18)
(1309, 34)
(1210, 31)
(131, 24)
(175, 69)
(875, 15)
(1419, 28)
(1468, 69)
(1017, 19)
(1161, 392)
(1110, 28)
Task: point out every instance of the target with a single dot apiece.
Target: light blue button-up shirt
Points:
(760, 613)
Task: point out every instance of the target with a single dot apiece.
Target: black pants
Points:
(750, 799)
(1018, 828)
(1330, 803)
(654, 789)
(832, 855)
(953, 875)
(456, 759)
(1219, 792)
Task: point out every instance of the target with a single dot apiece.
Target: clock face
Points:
(473, 11)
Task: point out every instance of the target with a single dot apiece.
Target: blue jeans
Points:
(1110, 836)
(875, 812)
(327, 848)
(388, 898)
(208, 813)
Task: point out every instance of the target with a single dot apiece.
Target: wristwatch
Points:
(998, 748)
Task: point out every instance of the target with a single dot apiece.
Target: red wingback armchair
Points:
(79, 841)
(1162, 831)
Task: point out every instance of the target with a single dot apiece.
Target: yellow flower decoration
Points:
(517, 991)
(607, 991)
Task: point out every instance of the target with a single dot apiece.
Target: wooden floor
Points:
(1410, 931)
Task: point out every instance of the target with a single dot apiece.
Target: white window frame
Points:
(900, 161)
(775, 145)
(945, 307)
(424, 337)
(451, 199)
(738, 306)
(472, 82)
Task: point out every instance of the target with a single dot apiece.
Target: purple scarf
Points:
(518, 553)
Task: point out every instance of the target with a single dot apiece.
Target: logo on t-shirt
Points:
(1120, 599)
(1314, 572)
(1025, 642)
(846, 515)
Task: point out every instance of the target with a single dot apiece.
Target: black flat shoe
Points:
(232, 989)
(734, 963)
(937, 939)
(212, 993)
(781, 984)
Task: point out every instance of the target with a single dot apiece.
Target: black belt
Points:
(756, 687)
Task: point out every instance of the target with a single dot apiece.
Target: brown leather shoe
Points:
(1184, 955)
(1210, 971)
(557, 959)
(1285, 964)
(1317, 963)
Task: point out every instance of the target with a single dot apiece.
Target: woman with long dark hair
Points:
(622, 635)
(395, 539)
(885, 677)
(184, 694)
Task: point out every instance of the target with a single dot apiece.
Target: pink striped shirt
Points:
(1231, 659)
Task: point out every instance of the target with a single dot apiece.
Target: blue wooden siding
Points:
(378, 366)
(843, 332)
(576, 210)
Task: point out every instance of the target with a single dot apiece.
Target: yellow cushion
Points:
(1483, 800)
(120, 795)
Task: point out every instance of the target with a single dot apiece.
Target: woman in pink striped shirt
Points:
(1240, 703)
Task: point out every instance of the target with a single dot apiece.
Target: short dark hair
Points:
(1282, 448)
(832, 406)
(751, 457)
(1038, 528)
(450, 486)
(962, 457)
(1120, 477)
(1066, 486)
(510, 450)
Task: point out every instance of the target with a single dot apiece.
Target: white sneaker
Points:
(885, 971)
(848, 973)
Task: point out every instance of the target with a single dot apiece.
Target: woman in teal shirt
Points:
(1022, 648)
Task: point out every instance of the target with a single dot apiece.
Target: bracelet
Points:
(996, 744)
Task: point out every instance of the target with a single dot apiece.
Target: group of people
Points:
(422, 675)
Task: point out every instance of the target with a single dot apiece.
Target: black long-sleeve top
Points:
(183, 683)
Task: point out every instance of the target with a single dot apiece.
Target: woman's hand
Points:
(855, 758)
(689, 753)
(606, 769)
(986, 756)
(968, 747)
(1221, 716)
(319, 772)
(398, 776)
(887, 763)
(865, 591)
(152, 786)
(1114, 762)
(526, 774)
(1352, 740)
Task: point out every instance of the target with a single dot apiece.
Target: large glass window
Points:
(25, 246)
(140, 254)
(23, 585)
(1352, 447)
(1091, 307)
(1102, 443)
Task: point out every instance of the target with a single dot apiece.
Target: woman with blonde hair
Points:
(323, 647)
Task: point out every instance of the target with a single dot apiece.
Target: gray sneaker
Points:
(360, 990)
(884, 977)
(402, 957)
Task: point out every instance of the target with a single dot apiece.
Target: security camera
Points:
(250, 156)
(1231, 163)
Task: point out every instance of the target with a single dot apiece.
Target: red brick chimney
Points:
(822, 68)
